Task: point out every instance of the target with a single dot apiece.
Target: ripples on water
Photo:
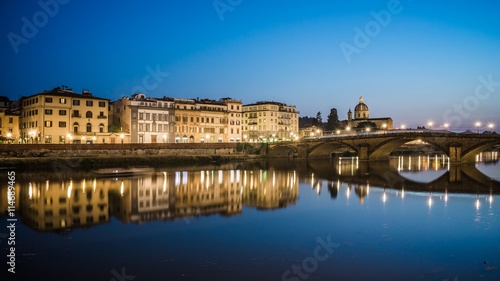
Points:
(411, 218)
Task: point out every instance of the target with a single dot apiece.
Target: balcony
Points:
(102, 117)
(76, 115)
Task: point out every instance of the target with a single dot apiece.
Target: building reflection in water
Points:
(53, 205)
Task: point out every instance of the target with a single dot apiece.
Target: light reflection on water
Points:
(408, 218)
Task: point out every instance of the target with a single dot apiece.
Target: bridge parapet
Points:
(460, 147)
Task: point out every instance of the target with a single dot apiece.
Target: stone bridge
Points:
(460, 147)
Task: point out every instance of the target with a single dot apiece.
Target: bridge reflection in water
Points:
(47, 203)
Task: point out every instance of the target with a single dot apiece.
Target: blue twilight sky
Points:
(414, 61)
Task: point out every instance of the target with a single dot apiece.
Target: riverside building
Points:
(63, 116)
(147, 120)
(270, 121)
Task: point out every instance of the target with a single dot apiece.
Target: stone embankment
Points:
(29, 156)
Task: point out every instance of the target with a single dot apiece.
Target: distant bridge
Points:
(460, 147)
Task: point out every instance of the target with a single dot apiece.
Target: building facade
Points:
(9, 126)
(198, 121)
(147, 120)
(63, 116)
(270, 121)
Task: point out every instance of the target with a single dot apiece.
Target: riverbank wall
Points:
(88, 156)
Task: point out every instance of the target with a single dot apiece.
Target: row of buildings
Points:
(62, 116)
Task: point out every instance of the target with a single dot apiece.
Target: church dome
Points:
(361, 105)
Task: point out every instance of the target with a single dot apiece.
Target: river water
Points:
(410, 218)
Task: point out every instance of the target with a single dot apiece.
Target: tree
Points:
(333, 122)
(319, 119)
(114, 129)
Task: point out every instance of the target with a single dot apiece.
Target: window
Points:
(62, 112)
(48, 123)
(62, 101)
(11, 120)
(76, 113)
(89, 128)
(48, 100)
(141, 116)
(88, 114)
(48, 111)
(48, 139)
(101, 128)
(102, 104)
(89, 103)
(62, 124)
(76, 102)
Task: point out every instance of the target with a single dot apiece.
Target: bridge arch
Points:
(385, 148)
(470, 154)
(282, 151)
(325, 149)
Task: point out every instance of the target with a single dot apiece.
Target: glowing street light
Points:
(348, 129)
(446, 126)
(478, 124)
(384, 126)
(403, 126)
(430, 125)
(122, 136)
(32, 135)
(491, 126)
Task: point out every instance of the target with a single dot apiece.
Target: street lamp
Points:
(121, 137)
(478, 124)
(384, 126)
(403, 127)
(491, 126)
(430, 125)
(164, 138)
(348, 128)
(32, 135)
(446, 126)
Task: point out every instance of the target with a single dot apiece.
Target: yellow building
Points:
(207, 120)
(270, 121)
(63, 116)
(310, 131)
(9, 126)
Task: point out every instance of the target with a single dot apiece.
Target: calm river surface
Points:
(410, 218)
